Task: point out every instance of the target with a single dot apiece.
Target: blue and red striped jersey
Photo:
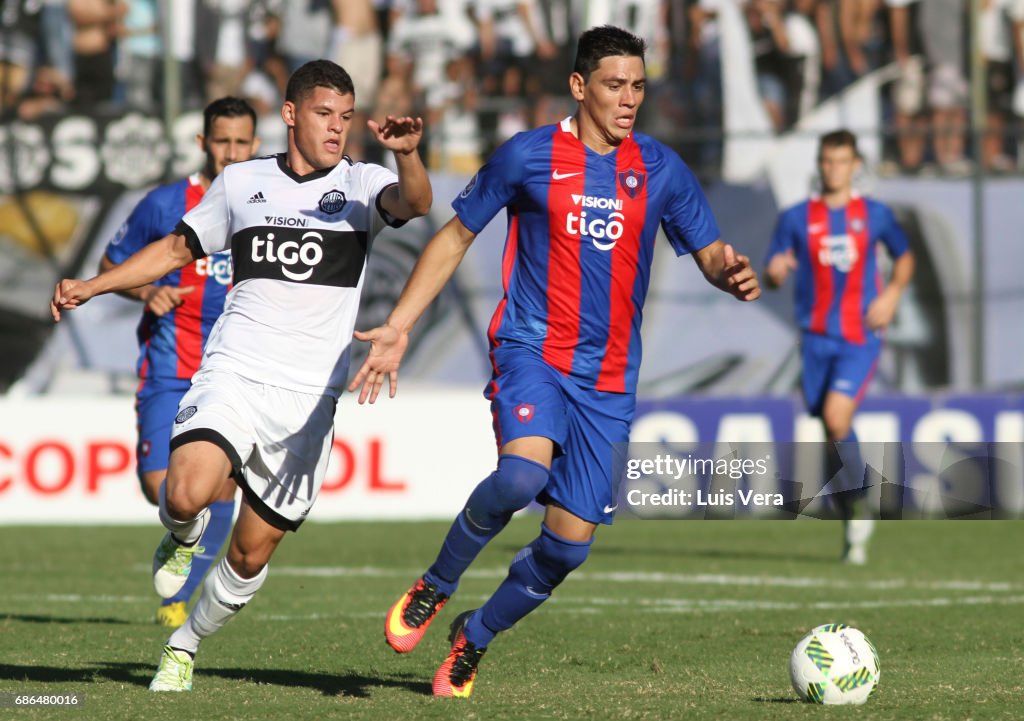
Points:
(579, 245)
(837, 274)
(171, 346)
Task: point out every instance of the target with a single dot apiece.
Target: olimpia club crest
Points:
(332, 202)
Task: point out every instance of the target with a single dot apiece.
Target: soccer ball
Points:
(834, 664)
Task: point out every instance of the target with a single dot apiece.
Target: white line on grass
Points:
(692, 579)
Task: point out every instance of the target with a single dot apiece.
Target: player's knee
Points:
(181, 504)
(517, 481)
(247, 563)
(552, 558)
(837, 425)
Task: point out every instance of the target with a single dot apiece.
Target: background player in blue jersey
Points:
(181, 308)
(842, 308)
(585, 199)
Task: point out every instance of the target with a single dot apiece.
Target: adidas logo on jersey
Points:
(257, 198)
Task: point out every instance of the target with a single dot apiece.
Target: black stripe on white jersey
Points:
(299, 255)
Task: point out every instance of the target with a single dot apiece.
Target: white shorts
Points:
(278, 440)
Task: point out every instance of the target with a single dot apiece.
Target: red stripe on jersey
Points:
(625, 261)
(817, 231)
(508, 261)
(569, 161)
(188, 317)
(851, 305)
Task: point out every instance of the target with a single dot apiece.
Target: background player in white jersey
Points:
(261, 407)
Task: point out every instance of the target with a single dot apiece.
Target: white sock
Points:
(859, 530)
(224, 594)
(187, 532)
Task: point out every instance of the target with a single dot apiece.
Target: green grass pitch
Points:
(666, 620)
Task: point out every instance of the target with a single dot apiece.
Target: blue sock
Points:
(217, 532)
(535, 572)
(851, 474)
(512, 486)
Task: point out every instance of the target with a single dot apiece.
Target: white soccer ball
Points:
(834, 664)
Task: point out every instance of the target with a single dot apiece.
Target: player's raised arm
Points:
(729, 271)
(388, 342)
(412, 197)
(154, 261)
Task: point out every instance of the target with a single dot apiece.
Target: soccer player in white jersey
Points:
(261, 407)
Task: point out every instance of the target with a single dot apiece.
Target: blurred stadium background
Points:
(101, 100)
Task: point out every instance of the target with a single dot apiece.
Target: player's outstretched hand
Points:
(68, 295)
(779, 268)
(400, 135)
(387, 346)
(162, 299)
(738, 275)
(882, 309)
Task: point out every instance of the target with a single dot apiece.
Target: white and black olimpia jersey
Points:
(299, 246)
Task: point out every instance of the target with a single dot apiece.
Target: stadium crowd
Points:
(479, 71)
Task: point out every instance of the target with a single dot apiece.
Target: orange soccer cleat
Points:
(411, 615)
(457, 673)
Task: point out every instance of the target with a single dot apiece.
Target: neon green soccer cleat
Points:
(174, 672)
(172, 563)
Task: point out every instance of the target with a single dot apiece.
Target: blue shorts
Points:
(833, 364)
(530, 398)
(156, 405)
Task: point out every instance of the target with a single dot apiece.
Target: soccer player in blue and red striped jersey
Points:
(585, 199)
(842, 306)
(180, 311)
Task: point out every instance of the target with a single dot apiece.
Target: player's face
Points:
(837, 166)
(319, 124)
(610, 98)
(231, 140)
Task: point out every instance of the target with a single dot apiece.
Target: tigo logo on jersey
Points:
(838, 251)
(256, 198)
(332, 202)
(185, 414)
(524, 412)
(290, 252)
(217, 266)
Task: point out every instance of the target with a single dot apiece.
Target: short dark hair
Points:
(602, 42)
(226, 107)
(841, 138)
(318, 74)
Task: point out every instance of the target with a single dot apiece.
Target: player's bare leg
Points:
(196, 474)
(837, 415)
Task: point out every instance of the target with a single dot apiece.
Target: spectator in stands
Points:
(141, 54)
(908, 90)
(771, 50)
(306, 27)
(222, 45)
(428, 51)
(996, 46)
(942, 25)
(356, 45)
(97, 26)
(805, 58)
(18, 47)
